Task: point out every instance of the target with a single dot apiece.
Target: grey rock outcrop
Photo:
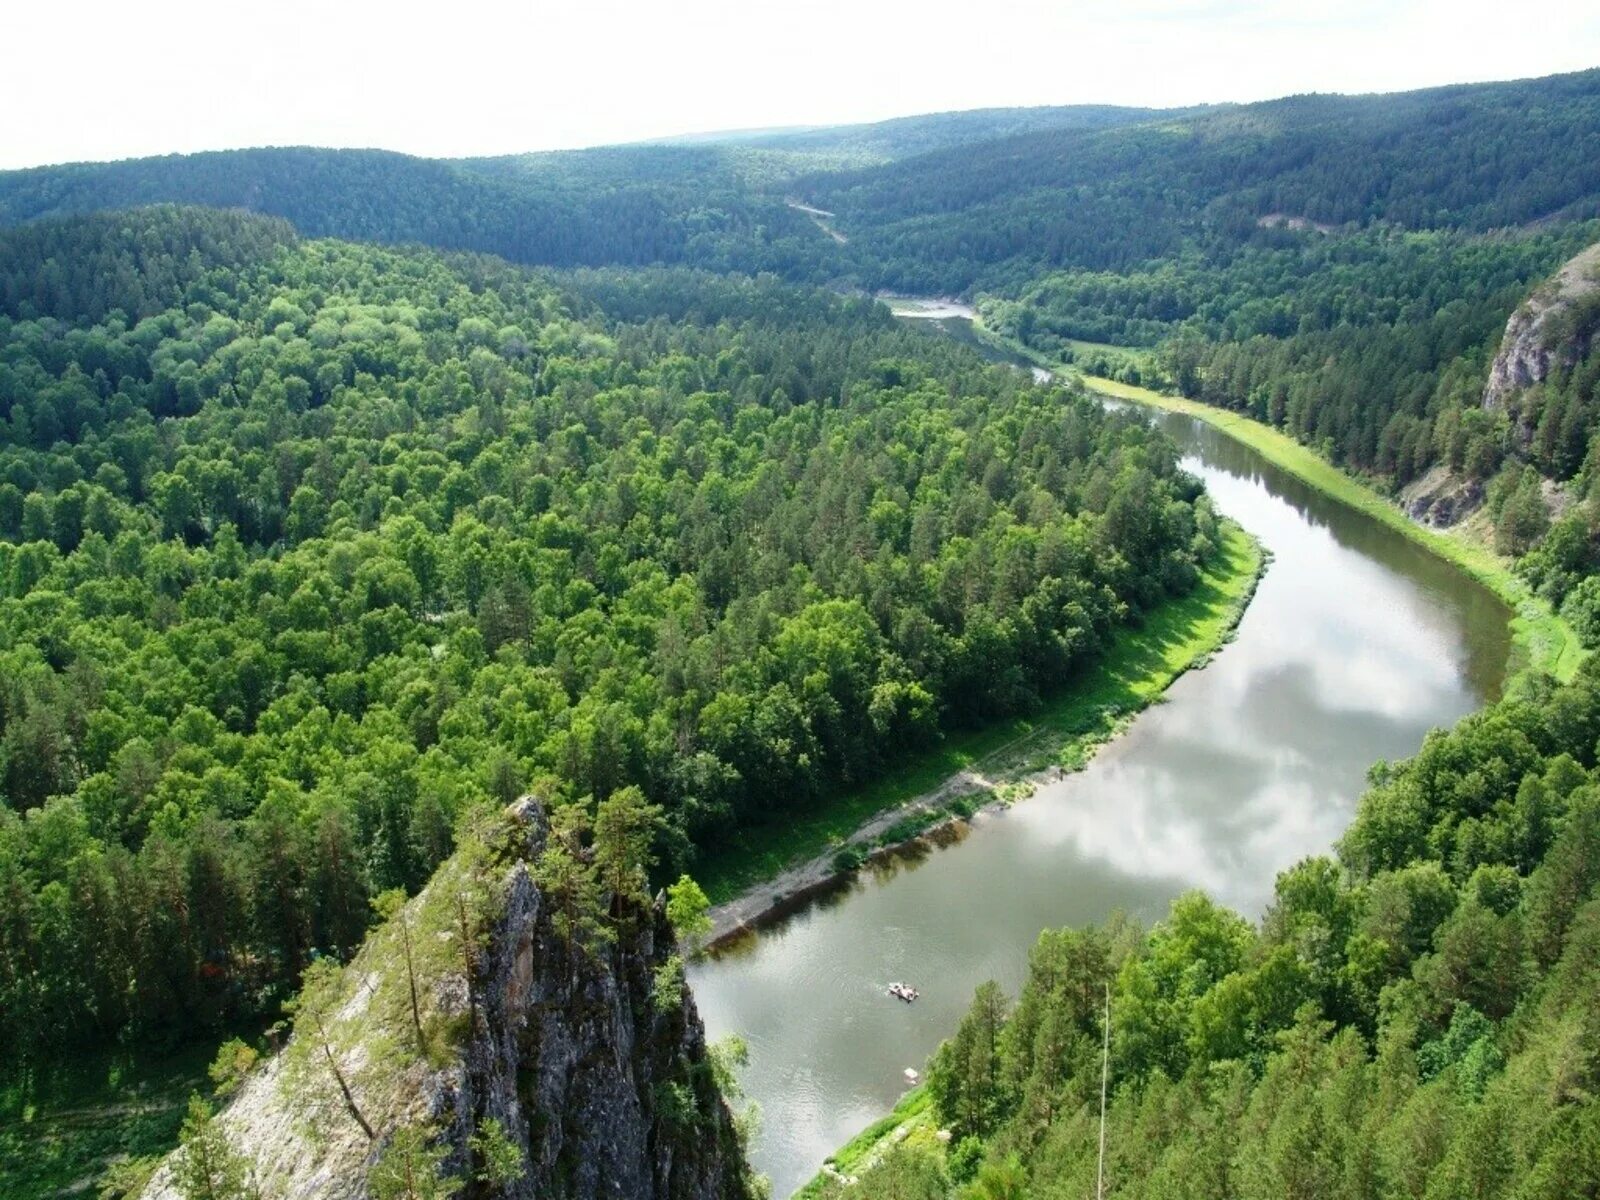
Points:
(604, 1087)
(1528, 352)
(1441, 499)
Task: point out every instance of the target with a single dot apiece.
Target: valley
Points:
(1357, 642)
(890, 658)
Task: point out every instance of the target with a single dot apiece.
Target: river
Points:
(1357, 643)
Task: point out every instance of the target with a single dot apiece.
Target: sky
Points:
(91, 80)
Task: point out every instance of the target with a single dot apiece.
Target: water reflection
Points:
(1357, 643)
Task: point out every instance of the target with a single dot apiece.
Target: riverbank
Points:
(1541, 640)
(773, 870)
(911, 1121)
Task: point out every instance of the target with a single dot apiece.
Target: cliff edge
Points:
(1543, 333)
(581, 1052)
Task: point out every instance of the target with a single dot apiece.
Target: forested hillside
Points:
(650, 205)
(951, 203)
(311, 552)
(1420, 1018)
(994, 214)
(1339, 266)
(335, 545)
(772, 158)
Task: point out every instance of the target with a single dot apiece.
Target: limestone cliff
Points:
(1441, 499)
(603, 1084)
(1534, 342)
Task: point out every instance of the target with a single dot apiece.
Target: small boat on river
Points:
(903, 991)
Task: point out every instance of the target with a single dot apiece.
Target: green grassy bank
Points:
(1140, 665)
(1541, 640)
(911, 1120)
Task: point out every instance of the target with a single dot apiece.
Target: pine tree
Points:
(410, 1168)
(206, 1166)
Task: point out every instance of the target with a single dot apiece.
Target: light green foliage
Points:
(234, 1061)
(666, 986)
(676, 1105)
(724, 1059)
(207, 1166)
(1413, 1021)
(410, 1168)
(312, 549)
(565, 872)
(904, 1173)
(625, 828)
(391, 909)
(965, 1077)
(1003, 1180)
(125, 1180)
(727, 1056)
(314, 1069)
(687, 909)
(500, 1161)
(1581, 610)
(1198, 945)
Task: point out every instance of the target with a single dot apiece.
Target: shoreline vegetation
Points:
(1541, 640)
(773, 871)
(911, 1121)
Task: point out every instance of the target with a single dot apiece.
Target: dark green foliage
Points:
(553, 215)
(992, 214)
(346, 544)
(942, 203)
(1338, 266)
(849, 858)
(138, 262)
(1421, 1022)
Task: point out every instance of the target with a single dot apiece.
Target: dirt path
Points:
(821, 216)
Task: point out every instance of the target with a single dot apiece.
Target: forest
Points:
(309, 551)
(347, 495)
(1340, 266)
(1417, 1017)
(952, 203)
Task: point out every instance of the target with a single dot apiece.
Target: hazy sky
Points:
(96, 80)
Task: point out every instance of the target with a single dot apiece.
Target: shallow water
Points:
(1357, 643)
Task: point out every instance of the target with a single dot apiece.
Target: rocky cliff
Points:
(598, 1072)
(1536, 340)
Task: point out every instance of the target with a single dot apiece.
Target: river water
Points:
(1357, 643)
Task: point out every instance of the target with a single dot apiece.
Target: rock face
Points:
(580, 1059)
(604, 1087)
(1441, 499)
(1528, 352)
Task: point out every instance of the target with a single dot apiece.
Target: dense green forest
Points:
(950, 203)
(1399, 398)
(1420, 1018)
(308, 550)
(1372, 348)
(311, 551)
(662, 205)
(995, 214)
(708, 203)
(1340, 266)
